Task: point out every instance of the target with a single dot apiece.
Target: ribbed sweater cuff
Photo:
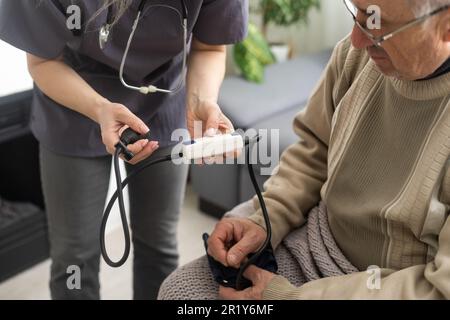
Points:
(279, 288)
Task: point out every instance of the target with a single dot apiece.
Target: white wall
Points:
(325, 28)
(14, 76)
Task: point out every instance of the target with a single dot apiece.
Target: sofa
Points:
(270, 105)
(23, 223)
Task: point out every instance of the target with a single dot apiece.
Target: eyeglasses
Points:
(377, 41)
(103, 38)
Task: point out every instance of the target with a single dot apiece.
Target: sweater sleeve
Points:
(294, 188)
(427, 281)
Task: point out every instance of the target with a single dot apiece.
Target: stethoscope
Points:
(104, 37)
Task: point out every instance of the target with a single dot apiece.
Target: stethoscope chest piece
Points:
(103, 35)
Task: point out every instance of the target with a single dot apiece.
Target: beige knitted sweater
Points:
(377, 151)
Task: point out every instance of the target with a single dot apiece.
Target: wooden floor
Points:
(116, 283)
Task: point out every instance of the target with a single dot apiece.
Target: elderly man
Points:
(374, 156)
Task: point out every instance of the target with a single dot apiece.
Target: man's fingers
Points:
(227, 293)
(217, 242)
(242, 248)
(253, 273)
(230, 231)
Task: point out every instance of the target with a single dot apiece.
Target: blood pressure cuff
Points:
(227, 276)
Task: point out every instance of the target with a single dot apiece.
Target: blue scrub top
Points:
(155, 57)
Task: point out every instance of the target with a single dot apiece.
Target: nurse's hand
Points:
(207, 116)
(204, 118)
(113, 119)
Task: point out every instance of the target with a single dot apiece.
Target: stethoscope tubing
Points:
(103, 38)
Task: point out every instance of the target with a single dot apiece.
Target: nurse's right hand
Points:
(113, 119)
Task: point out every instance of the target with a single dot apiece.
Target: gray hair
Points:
(422, 7)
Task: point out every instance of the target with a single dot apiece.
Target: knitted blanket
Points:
(314, 250)
(306, 254)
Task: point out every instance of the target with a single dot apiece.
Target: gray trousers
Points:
(75, 192)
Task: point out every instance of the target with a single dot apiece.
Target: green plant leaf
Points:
(286, 12)
(252, 55)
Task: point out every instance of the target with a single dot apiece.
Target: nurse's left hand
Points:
(260, 279)
(204, 118)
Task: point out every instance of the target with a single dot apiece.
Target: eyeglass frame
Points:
(379, 40)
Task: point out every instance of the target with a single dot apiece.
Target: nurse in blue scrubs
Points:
(82, 101)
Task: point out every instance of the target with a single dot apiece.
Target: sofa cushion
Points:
(286, 85)
(284, 123)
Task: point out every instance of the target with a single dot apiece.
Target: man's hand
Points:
(233, 239)
(260, 279)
